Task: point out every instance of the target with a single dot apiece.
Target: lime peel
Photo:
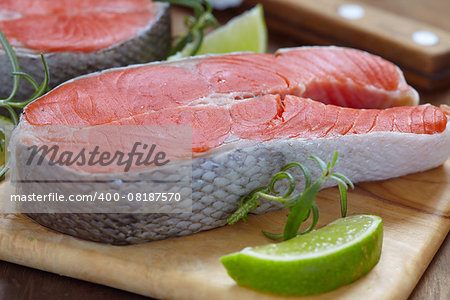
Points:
(4, 124)
(314, 263)
(246, 32)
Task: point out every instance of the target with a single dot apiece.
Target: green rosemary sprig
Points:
(300, 206)
(10, 103)
(202, 19)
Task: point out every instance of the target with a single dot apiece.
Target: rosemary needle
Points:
(202, 19)
(10, 103)
(300, 206)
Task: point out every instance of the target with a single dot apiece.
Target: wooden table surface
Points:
(18, 282)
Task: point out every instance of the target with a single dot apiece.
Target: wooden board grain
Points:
(435, 282)
(415, 211)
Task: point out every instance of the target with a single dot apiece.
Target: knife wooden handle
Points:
(377, 31)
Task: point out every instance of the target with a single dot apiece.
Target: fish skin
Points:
(221, 176)
(219, 182)
(152, 44)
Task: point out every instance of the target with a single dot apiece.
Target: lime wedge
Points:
(313, 263)
(4, 124)
(246, 32)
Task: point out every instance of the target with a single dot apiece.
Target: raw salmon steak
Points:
(250, 115)
(81, 36)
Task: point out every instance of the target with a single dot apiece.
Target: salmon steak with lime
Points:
(81, 36)
(250, 115)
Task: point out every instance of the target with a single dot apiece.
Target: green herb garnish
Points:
(202, 19)
(10, 103)
(300, 206)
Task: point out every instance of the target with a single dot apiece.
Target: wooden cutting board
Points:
(384, 27)
(415, 211)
